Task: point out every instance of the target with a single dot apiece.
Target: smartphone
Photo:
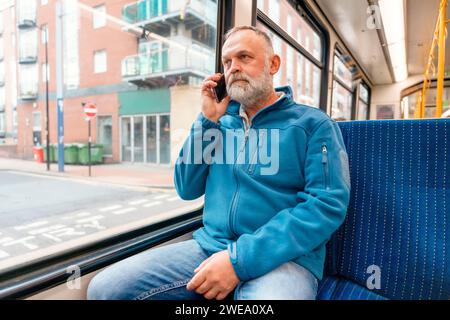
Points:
(220, 91)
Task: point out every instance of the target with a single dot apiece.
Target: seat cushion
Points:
(335, 288)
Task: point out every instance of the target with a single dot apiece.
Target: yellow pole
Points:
(441, 61)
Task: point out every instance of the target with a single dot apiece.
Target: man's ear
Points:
(275, 63)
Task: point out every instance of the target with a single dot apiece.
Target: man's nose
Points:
(235, 66)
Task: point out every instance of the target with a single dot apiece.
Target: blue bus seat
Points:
(395, 240)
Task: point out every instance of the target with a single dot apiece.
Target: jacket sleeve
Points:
(320, 210)
(191, 170)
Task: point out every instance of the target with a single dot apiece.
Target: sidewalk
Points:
(136, 175)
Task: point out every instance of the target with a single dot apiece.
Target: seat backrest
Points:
(398, 219)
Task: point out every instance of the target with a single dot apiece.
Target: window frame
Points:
(305, 11)
(362, 83)
(101, 51)
(353, 91)
(49, 271)
(97, 15)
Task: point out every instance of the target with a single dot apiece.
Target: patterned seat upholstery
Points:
(398, 221)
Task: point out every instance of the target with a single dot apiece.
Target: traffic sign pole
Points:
(90, 110)
(89, 145)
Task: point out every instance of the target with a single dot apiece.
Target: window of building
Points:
(2, 99)
(1, 22)
(26, 11)
(99, 18)
(28, 80)
(2, 72)
(45, 72)
(100, 61)
(2, 122)
(44, 34)
(37, 121)
(1, 47)
(104, 134)
(28, 47)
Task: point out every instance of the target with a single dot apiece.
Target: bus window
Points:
(138, 63)
(301, 71)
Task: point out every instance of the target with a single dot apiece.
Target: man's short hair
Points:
(258, 32)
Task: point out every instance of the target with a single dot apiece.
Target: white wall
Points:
(390, 94)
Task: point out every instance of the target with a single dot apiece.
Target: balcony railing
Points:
(26, 13)
(168, 61)
(148, 9)
(28, 92)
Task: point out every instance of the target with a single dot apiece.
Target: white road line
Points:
(151, 204)
(7, 239)
(47, 229)
(90, 219)
(124, 211)
(173, 198)
(134, 203)
(78, 215)
(110, 208)
(31, 225)
(162, 196)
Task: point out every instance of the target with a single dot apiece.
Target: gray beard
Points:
(252, 92)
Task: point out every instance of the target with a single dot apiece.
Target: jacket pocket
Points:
(325, 166)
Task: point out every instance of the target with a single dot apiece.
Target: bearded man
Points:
(264, 231)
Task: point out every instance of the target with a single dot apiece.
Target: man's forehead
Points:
(244, 40)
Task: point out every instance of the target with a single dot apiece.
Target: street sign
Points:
(90, 110)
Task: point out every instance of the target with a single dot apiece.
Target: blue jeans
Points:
(162, 274)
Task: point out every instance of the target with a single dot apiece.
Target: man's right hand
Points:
(210, 108)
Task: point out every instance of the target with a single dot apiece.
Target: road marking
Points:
(110, 208)
(134, 203)
(23, 241)
(162, 196)
(7, 239)
(3, 254)
(124, 211)
(47, 229)
(90, 219)
(151, 204)
(78, 215)
(173, 199)
(31, 225)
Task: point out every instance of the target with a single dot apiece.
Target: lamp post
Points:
(47, 122)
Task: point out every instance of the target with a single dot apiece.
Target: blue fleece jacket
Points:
(266, 214)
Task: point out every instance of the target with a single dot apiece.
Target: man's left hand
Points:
(215, 277)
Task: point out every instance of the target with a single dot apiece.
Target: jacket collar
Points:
(234, 106)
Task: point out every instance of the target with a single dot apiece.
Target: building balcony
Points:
(167, 67)
(28, 58)
(159, 15)
(26, 13)
(28, 93)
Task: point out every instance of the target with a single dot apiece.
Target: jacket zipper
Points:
(325, 165)
(234, 201)
(253, 161)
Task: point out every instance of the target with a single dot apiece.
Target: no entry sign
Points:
(90, 110)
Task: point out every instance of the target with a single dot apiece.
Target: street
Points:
(39, 212)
